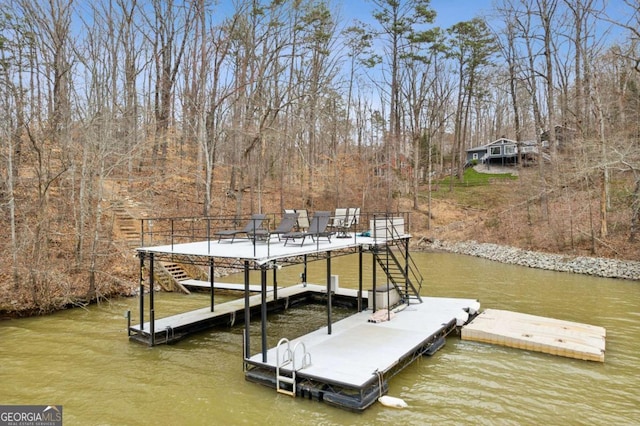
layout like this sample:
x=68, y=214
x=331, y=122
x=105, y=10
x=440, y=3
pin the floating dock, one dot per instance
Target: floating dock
x=351, y=366
x=538, y=334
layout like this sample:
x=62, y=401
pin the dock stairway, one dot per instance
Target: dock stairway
x=286, y=380
x=169, y=275
x=401, y=271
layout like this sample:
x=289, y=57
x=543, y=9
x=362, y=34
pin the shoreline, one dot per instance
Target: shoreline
x=594, y=266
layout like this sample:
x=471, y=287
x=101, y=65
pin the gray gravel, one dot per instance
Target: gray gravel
x=597, y=266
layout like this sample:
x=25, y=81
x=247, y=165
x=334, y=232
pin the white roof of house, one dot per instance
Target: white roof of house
x=502, y=141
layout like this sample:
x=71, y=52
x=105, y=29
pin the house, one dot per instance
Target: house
x=502, y=151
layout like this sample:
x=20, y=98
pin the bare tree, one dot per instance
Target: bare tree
x=171, y=29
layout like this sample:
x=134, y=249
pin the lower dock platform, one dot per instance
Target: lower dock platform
x=350, y=367
x=173, y=328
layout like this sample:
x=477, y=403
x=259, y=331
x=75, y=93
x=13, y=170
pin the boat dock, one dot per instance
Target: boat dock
x=347, y=363
x=538, y=334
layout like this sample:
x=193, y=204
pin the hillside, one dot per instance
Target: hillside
x=499, y=205
x=488, y=207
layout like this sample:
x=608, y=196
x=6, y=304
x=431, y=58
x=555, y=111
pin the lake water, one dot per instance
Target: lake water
x=81, y=359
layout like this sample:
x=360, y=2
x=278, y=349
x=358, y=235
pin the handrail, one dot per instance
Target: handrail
x=412, y=268
x=305, y=355
x=289, y=357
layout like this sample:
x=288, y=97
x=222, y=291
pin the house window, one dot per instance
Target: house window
x=495, y=150
x=509, y=150
x=475, y=155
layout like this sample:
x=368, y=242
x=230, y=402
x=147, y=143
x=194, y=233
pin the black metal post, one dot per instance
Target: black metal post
x=406, y=267
x=263, y=311
x=211, y=280
x=247, y=310
x=374, y=274
x=151, y=301
x=128, y=322
x=152, y=324
x=275, y=282
x=304, y=271
x=141, y=292
x=329, y=292
x=360, y=279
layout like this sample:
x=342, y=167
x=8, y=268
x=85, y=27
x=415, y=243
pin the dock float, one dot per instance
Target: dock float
x=538, y=334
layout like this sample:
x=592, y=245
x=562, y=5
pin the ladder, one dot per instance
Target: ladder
x=287, y=379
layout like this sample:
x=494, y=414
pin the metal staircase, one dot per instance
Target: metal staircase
x=401, y=271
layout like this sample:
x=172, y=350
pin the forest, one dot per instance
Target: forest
x=200, y=108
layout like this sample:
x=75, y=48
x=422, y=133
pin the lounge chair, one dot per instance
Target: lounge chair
x=251, y=229
x=288, y=222
x=317, y=229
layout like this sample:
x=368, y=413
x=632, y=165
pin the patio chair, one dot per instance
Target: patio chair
x=338, y=219
x=303, y=219
x=317, y=229
x=352, y=218
x=251, y=229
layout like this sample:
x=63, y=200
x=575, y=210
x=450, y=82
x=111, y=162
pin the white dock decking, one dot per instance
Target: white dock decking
x=357, y=350
x=539, y=334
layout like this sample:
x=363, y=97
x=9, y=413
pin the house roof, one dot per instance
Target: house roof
x=501, y=141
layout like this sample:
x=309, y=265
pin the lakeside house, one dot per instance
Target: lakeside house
x=502, y=151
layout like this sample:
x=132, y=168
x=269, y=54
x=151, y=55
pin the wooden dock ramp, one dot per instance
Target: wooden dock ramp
x=538, y=334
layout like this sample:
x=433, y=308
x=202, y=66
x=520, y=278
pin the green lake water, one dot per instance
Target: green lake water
x=81, y=359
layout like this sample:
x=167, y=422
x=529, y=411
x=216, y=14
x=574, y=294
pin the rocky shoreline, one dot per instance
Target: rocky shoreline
x=596, y=266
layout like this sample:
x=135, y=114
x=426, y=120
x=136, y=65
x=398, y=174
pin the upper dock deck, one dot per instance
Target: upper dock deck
x=263, y=252
x=196, y=237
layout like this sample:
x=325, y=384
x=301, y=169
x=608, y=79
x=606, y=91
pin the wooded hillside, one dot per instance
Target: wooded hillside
x=115, y=109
